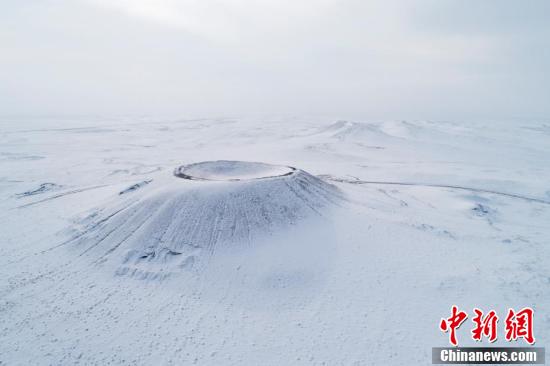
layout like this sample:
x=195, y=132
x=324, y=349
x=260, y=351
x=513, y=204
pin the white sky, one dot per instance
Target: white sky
x=426, y=59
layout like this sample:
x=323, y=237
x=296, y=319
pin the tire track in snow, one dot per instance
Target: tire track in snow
x=62, y=194
x=471, y=189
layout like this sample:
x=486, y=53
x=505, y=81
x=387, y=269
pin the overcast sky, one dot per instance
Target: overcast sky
x=429, y=59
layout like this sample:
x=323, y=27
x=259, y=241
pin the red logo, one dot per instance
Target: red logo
x=517, y=325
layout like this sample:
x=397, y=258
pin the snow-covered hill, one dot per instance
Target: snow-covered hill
x=204, y=208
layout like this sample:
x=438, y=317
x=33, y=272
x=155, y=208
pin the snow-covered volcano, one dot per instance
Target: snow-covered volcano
x=203, y=208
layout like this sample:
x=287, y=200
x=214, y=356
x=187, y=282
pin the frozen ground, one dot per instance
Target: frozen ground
x=425, y=215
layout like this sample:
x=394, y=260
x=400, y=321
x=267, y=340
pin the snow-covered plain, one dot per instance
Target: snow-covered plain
x=422, y=215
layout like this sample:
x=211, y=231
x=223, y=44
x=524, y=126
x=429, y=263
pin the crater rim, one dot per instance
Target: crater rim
x=232, y=171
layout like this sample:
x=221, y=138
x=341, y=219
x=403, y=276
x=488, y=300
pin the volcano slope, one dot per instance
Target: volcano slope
x=202, y=209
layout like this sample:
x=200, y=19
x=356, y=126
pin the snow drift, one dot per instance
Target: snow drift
x=204, y=208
